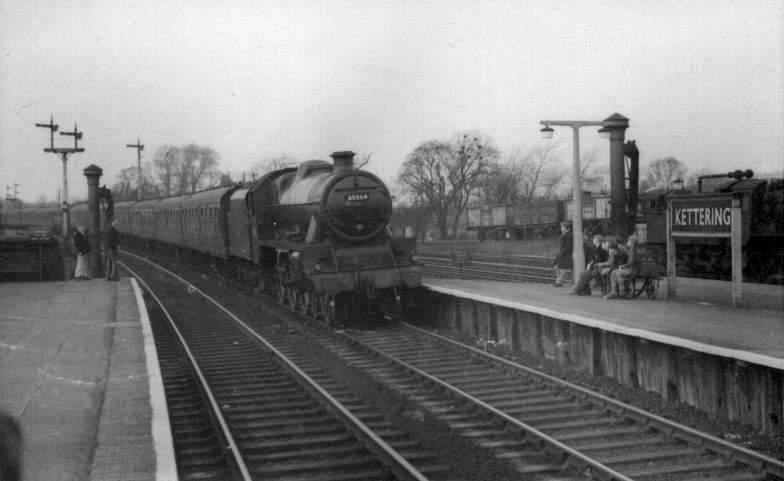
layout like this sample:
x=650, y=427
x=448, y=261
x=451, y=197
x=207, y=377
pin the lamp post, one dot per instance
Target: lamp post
x=578, y=256
x=613, y=128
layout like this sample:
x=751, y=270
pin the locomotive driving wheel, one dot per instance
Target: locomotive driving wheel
x=280, y=290
x=291, y=297
x=328, y=310
x=305, y=304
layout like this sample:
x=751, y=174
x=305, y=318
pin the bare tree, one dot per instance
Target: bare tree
x=594, y=176
x=180, y=170
x=125, y=189
x=474, y=160
x=424, y=174
x=501, y=184
x=164, y=166
x=536, y=173
x=662, y=172
x=196, y=168
x=445, y=175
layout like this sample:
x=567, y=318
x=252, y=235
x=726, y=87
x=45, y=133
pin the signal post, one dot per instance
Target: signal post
x=63, y=151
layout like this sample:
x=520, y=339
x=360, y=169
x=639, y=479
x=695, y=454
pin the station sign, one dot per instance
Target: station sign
x=706, y=216
x=689, y=215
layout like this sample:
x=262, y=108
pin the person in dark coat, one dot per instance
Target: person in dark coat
x=563, y=262
x=82, y=248
x=593, y=270
x=11, y=448
x=588, y=247
x=112, y=242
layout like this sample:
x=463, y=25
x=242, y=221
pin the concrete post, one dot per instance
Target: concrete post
x=617, y=124
x=93, y=173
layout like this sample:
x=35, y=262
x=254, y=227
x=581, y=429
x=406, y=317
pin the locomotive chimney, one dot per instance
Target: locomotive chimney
x=343, y=160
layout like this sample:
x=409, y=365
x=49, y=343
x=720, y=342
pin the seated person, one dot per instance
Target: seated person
x=619, y=276
x=610, y=263
x=617, y=256
x=593, y=269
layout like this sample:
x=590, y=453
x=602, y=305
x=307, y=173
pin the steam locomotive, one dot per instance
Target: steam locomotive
x=314, y=235
x=762, y=236
x=762, y=206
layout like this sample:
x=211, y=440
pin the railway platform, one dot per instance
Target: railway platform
x=79, y=375
x=696, y=349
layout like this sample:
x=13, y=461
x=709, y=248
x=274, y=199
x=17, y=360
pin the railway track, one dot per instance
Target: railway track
x=545, y=426
x=542, y=427
x=243, y=409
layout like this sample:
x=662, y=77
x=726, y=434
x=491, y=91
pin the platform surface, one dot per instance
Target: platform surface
x=699, y=320
x=74, y=374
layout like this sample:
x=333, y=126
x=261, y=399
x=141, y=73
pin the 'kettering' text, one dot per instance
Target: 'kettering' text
x=707, y=216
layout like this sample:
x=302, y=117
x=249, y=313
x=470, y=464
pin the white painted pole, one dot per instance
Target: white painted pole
x=671, y=264
x=578, y=256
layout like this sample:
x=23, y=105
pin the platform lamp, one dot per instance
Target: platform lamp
x=578, y=256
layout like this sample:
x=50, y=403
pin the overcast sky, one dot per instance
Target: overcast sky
x=702, y=81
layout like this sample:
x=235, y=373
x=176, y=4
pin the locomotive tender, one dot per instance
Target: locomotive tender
x=762, y=219
x=315, y=234
x=762, y=206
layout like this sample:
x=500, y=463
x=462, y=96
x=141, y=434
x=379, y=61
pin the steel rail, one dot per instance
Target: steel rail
x=751, y=458
x=205, y=387
x=391, y=458
x=578, y=459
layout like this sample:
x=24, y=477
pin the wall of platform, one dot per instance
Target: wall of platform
x=729, y=388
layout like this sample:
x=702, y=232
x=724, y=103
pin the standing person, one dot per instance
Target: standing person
x=82, y=247
x=112, y=241
x=563, y=263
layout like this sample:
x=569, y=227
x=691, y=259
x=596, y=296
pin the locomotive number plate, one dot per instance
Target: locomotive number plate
x=358, y=197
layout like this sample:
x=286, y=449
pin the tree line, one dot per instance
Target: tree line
x=438, y=179
x=173, y=171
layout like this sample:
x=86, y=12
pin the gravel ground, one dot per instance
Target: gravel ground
x=466, y=460
x=769, y=444
x=474, y=464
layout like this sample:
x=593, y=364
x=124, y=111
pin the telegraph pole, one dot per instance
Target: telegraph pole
x=139, y=147
x=63, y=151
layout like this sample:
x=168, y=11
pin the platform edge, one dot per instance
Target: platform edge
x=745, y=356
x=165, y=467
